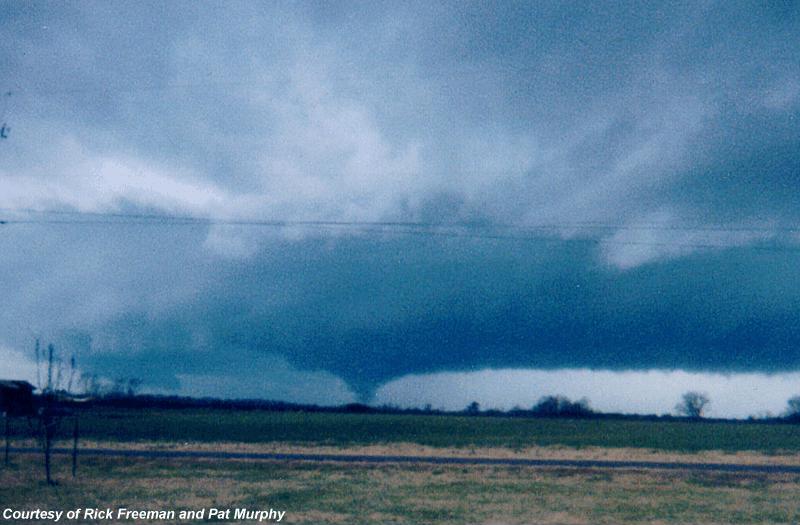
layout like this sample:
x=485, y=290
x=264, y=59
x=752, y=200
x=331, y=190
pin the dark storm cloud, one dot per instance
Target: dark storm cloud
x=368, y=312
x=663, y=123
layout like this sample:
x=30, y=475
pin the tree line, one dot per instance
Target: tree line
x=60, y=378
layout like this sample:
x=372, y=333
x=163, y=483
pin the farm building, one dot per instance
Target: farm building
x=16, y=397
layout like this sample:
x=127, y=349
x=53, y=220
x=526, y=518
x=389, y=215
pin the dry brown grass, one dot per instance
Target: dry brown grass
x=393, y=493
x=413, y=449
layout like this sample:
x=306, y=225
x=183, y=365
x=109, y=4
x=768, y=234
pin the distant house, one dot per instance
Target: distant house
x=16, y=397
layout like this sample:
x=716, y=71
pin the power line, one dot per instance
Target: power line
x=421, y=232
x=422, y=72
x=463, y=230
x=555, y=225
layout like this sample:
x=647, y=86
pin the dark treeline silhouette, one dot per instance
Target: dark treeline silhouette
x=546, y=407
x=561, y=406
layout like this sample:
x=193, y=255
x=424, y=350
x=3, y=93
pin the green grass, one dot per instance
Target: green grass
x=408, y=494
x=437, y=431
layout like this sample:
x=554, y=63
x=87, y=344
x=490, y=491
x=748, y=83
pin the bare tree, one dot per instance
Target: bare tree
x=693, y=404
x=133, y=386
x=473, y=408
x=793, y=407
x=71, y=373
x=117, y=388
x=51, y=411
x=37, y=351
x=90, y=385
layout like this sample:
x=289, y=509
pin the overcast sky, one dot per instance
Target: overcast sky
x=652, y=152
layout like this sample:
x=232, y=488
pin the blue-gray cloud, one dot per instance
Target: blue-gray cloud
x=668, y=128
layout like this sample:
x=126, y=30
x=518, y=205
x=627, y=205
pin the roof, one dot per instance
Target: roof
x=11, y=384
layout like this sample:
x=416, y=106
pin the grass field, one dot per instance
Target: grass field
x=435, y=431
x=420, y=493
x=413, y=494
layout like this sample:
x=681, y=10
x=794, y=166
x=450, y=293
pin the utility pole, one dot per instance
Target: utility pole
x=5, y=129
x=8, y=438
x=75, y=445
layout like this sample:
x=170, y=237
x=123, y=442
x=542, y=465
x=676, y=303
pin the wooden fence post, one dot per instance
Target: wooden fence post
x=75, y=447
x=8, y=438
